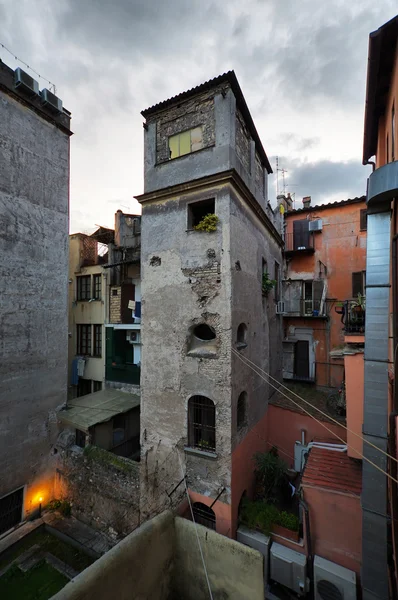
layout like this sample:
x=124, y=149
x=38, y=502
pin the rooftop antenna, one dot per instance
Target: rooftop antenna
x=283, y=171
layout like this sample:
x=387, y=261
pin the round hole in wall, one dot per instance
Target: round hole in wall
x=204, y=332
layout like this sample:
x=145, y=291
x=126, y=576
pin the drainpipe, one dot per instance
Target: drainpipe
x=310, y=557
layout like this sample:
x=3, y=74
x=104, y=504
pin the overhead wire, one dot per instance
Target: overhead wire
x=316, y=408
x=334, y=434
x=29, y=67
x=196, y=527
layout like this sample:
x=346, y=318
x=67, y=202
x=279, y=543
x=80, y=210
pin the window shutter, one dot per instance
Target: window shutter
x=363, y=218
x=300, y=234
x=317, y=290
x=357, y=284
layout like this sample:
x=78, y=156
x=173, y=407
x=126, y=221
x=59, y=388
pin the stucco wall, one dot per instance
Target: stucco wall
x=354, y=382
x=34, y=195
x=336, y=526
x=140, y=566
x=235, y=571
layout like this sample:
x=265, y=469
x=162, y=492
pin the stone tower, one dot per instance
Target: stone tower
x=203, y=412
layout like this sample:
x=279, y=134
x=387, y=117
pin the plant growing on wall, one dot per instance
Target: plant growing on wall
x=267, y=284
x=208, y=223
x=262, y=517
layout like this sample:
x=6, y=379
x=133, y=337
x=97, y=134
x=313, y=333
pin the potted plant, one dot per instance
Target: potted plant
x=208, y=223
x=267, y=284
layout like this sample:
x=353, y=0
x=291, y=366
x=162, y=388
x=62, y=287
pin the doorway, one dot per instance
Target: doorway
x=11, y=510
x=302, y=360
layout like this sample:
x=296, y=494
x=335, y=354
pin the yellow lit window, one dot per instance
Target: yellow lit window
x=185, y=142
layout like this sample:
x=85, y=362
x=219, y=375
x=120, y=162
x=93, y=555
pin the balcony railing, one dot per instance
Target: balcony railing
x=352, y=316
x=300, y=244
x=123, y=373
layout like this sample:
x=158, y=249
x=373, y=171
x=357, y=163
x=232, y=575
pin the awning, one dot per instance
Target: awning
x=99, y=407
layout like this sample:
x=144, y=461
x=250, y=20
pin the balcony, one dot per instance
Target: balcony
x=383, y=184
x=123, y=373
x=299, y=244
x=352, y=316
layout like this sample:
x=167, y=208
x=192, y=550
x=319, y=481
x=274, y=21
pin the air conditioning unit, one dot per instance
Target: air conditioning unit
x=258, y=541
x=25, y=83
x=289, y=568
x=333, y=581
x=51, y=101
x=133, y=337
x=280, y=307
x=315, y=225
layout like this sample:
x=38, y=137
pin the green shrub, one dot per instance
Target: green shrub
x=54, y=504
x=267, y=284
x=208, y=223
x=62, y=505
x=288, y=520
x=261, y=516
x=271, y=472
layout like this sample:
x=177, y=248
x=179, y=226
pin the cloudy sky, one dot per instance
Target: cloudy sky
x=301, y=65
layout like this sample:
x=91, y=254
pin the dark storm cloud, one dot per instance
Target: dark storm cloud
x=324, y=178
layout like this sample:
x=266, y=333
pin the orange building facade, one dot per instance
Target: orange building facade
x=325, y=264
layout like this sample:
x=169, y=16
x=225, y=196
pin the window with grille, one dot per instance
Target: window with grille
x=185, y=142
x=83, y=340
x=201, y=423
x=204, y=515
x=363, y=219
x=241, y=410
x=97, y=340
x=83, y=287
x=11, y=510
x=97, y=286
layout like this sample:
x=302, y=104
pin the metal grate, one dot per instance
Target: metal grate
x=201, y=423
x=328, y=591
x=204, y=515
x=11, y=510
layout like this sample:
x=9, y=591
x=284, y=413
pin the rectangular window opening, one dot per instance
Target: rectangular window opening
x=83, y=387
x=83, y=287
x=358, y=283
x=11, y=510
x=185, y=142
x=198, y=210
x=97, y=386
x=80, y=439
x=363, y=218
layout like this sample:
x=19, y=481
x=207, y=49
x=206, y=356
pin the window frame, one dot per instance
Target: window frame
x=178, y=136
x=201, y=423
x=363, y=283
x=97, y=341
x=204, y=515
x=363, y=219
x=83, y=339
x=192, y=219
x=97, y=286
x=83, y=288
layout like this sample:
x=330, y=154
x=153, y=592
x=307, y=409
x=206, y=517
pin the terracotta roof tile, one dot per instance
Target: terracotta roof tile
x=333, y=470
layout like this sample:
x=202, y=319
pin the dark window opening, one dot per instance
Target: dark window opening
x=83, y=287
x=204, y=515
x=241, y=410
x=97, y=341
x=301, y=235
x=358, y=283
x=302, y=359
x=277, y=282
x=114, y=292
x=201, y=423
x=204, y=332
x=198, y=210
x=83, y=340
x=363, y=220
x=241, y=335
x=11, y=510
x=80, y=439
x=83, y=387
x=97, y=287
x=119, y=429
x=97, y=386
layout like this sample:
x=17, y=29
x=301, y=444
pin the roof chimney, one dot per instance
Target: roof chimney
x=306, y=201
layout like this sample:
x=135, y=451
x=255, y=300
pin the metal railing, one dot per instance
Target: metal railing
x=352, y=316
x=294, y=243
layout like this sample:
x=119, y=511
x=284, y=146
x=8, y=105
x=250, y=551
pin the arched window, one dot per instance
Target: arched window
x=241, y=410
x=201, y=423
x=241, y=336
x=204, y=515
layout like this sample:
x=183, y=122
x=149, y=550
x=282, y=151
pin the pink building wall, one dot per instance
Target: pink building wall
x=354, y=381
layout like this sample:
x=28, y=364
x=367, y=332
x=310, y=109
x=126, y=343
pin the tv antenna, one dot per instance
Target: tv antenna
x=283, y=171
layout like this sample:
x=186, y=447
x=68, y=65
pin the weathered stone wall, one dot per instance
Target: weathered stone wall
x=34, y=199
x=115, y=315
x=195, y=112
x=243, y=139
x=102, y=488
